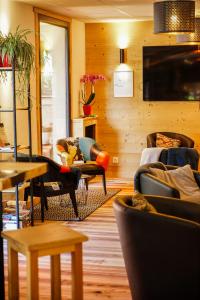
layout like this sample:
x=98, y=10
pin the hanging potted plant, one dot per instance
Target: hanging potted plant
x=88, y=101
x=16, y=51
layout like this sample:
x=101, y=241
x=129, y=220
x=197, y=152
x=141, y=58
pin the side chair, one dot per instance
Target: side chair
x=59, y=180
x=94, y=160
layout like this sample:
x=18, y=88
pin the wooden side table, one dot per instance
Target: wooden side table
x=50, y=239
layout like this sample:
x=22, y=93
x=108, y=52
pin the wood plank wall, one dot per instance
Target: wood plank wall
x=123, y=123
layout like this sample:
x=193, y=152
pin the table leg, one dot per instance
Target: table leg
x=2, y=289
x=13, y=277
x=32, y=276
x=55, y=278
x=31, y=203
x=17, y=205
x=77, y=273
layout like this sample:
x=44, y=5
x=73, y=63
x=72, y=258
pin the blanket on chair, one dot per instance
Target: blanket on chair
x=150, y=155
x=183, y=156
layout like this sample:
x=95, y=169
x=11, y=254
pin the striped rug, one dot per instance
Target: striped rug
x=60, y=208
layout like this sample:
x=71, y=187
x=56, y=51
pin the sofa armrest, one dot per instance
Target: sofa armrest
x=171, y=167
x=152, y=185
x=197, y=177
x=175, y=207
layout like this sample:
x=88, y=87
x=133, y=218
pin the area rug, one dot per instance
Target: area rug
x=60, y=207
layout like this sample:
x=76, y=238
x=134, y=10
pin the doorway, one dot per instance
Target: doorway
x=53, y=95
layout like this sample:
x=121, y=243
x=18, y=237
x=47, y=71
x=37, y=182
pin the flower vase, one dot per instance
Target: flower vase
x=87, y=109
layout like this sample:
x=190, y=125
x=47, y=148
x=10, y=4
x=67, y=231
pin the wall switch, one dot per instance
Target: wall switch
x=115, y=160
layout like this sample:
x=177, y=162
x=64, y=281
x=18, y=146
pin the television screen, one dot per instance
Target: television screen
x=171, y=73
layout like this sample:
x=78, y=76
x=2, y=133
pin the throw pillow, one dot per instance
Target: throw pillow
x=139, y=202
x=181, y=178
x=70, y=151
x=166, y=142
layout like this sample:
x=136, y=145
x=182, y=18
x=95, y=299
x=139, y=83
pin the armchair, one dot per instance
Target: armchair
x=185, y=140
x=66, y=179
x=146, y=183
x=161, y=250
x=94, y=160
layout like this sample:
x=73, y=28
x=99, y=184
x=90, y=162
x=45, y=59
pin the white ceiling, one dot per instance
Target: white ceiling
x=98, y=10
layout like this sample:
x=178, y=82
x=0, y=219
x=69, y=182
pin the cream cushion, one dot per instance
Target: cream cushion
x=182, y=179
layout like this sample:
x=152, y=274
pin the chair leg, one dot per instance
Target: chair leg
x=104, y=182
x=73, y=198
x=43, y=201
x=86, y=183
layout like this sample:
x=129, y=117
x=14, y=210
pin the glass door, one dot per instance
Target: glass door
x=54, y=86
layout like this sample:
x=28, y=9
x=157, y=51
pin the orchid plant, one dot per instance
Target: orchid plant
x=91, y=80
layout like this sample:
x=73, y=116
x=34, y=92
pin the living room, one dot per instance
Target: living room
x=123, y=122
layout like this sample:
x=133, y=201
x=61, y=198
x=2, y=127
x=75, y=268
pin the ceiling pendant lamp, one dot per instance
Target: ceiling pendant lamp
x=191, y=37
x=174, y=16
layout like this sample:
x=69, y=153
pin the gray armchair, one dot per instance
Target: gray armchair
x=146, y=183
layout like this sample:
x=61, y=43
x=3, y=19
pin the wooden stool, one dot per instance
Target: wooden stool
x=50, y=239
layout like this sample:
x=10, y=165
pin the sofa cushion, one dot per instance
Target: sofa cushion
x=181, y=178
x=139, y=202
x=166, y=142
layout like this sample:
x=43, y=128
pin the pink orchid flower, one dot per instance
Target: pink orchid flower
x=91, y=79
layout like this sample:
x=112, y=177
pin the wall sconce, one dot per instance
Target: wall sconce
x=122, y=56
x=174, y=16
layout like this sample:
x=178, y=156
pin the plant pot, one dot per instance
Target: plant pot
x=87, y=109
x=4, y=63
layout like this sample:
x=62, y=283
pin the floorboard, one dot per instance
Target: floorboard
x=103, y=265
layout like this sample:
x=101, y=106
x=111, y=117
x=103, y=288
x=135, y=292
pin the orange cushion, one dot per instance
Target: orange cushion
x=103, y=159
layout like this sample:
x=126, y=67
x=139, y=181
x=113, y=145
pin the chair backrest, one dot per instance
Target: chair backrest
x=185, y=140
x=77, y=148
x=161, y=253
x=54, y=173
x=80, y=148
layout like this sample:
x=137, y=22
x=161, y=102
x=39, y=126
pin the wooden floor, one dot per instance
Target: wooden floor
x=104, y=271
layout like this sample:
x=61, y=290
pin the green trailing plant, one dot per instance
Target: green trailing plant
x=18, y=52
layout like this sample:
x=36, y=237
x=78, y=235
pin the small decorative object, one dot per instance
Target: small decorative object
x=87, y=102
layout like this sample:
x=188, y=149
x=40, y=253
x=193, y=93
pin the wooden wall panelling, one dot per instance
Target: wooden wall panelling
x=123, y=123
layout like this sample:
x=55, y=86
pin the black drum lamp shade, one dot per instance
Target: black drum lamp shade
x=192, y=37
x=174, y=16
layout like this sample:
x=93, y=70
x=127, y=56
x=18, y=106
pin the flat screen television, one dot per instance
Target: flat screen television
x=171, y=73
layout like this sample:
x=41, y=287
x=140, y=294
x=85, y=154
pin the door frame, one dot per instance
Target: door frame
x=58, y=20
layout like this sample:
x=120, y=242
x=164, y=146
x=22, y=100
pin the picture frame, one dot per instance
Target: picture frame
x=123, y=84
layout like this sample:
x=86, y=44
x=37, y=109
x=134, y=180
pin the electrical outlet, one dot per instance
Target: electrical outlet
x=115, y=160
